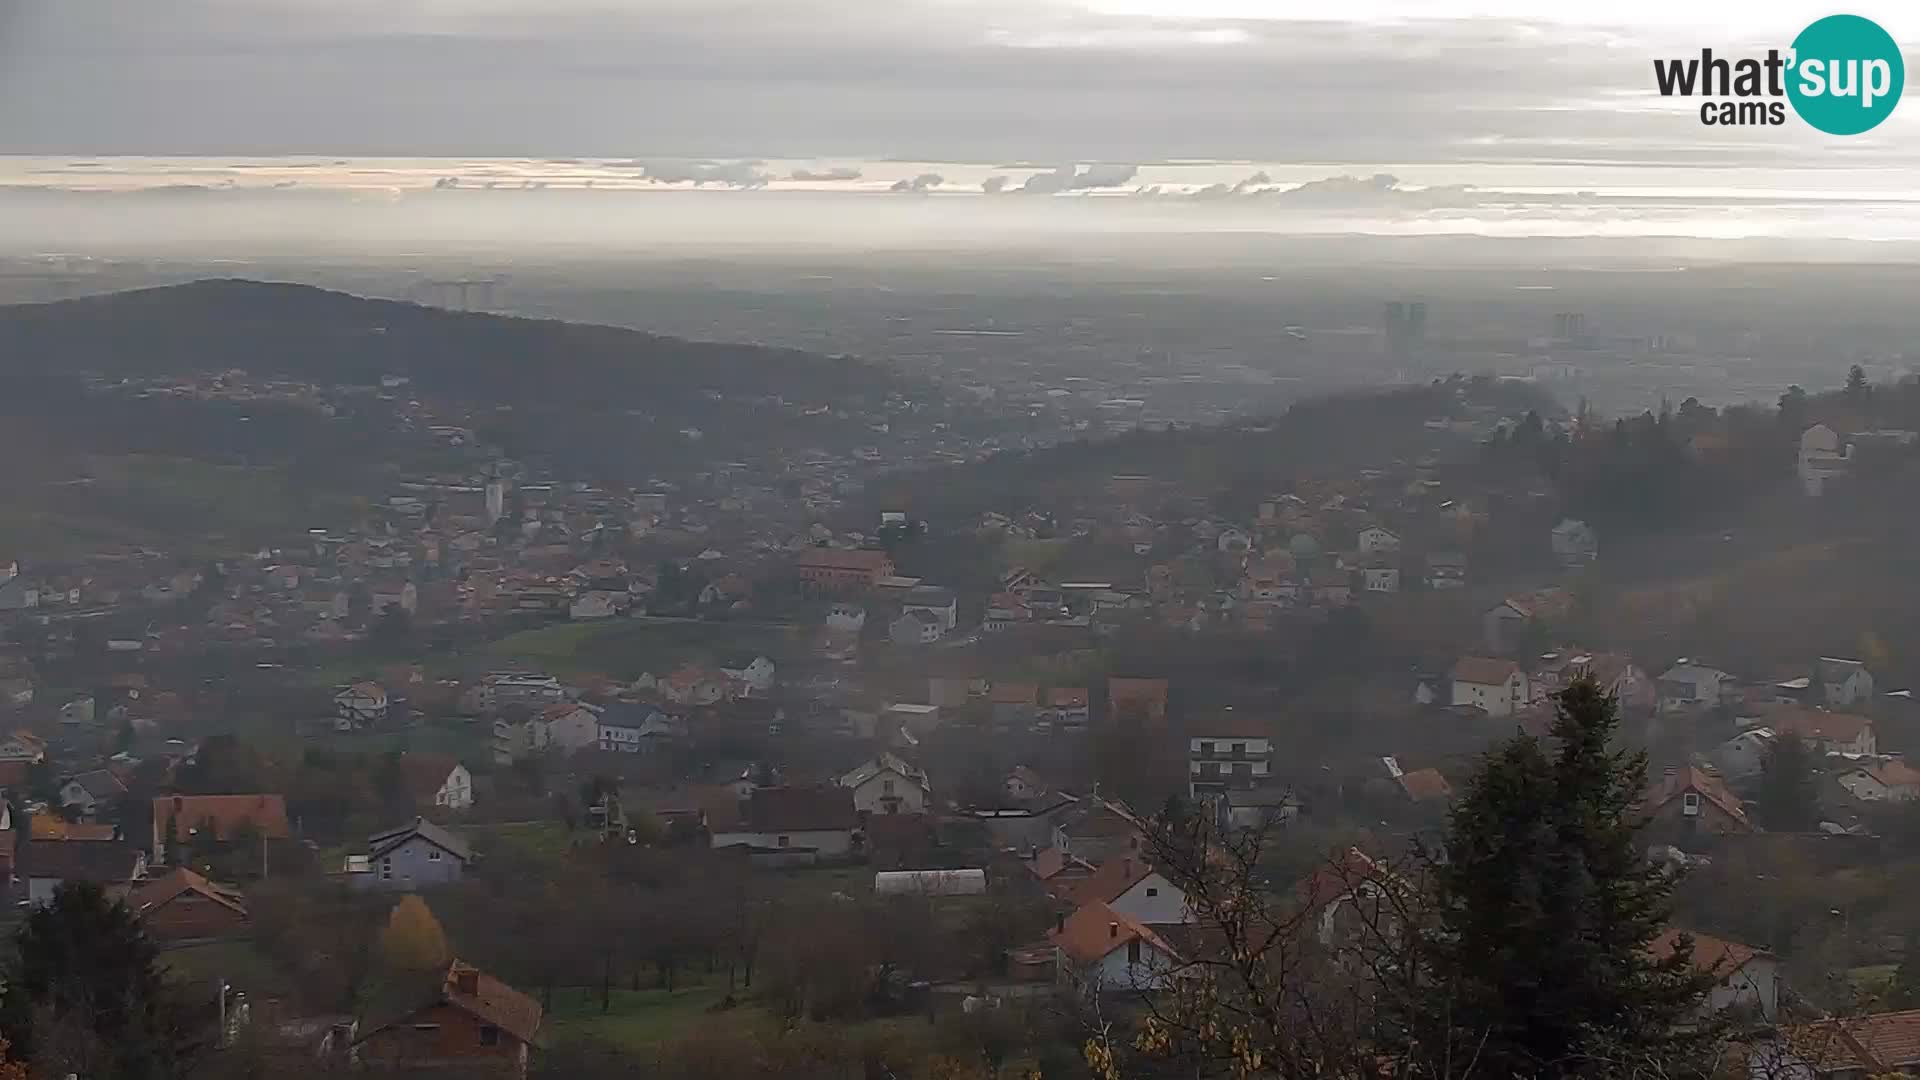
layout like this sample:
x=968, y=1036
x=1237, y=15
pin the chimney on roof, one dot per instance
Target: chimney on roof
x=1060, y=923
x=1113, y=929
x=1126, y=867
x=466, y=980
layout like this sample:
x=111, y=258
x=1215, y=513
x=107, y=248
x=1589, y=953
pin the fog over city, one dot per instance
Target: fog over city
x=959, y=539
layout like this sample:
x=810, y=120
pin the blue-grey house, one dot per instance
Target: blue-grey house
x=416, y=855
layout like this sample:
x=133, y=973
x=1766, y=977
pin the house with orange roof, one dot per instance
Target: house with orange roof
x=1130, y=885
x=180, y=905
x=1842, y=1048
x=1142, y=698
x=471, y=1024
x=1892, y=780
x=178, y=818
x=1826, y=732
x=1689, y=802
x=1098, y=949
x=1747, y=978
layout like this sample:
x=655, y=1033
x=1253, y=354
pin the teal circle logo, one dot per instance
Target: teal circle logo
x=1846, y=75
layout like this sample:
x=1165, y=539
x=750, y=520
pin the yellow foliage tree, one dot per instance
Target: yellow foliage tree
x=413, y=939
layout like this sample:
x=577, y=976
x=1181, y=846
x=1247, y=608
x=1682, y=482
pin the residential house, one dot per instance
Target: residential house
x=361, y=705
x=404, y=595
x=807, y=822
x=694, y=685
x=937, y=602
x=888, y=785
x=1015, y=705
x=835, y=570
x=1747, y=978
x=1099, y=950
x=1022, y=783
x=107, y=863
x=634, y=729
x=50, y=825
x=1496, y=687
x=1380, y=579
x=1096, y=829
x=501, y=689
x=1744, y=755
x=1843, y=682
x=24, y=747
x=79, y=711
x=1883, y=1044
x=1575, y=543
x=1887, y=781
x=93, y=792
x=1692, y=803
x=179, y=819
x=566, y=727
x=1228, y=750
x=596, y=604
x=1446, y=570
x=915, y=627
x=1616, y=673
x=1375, y=540
x=1826, y=732
x=1132, y=886
x=180, y=905
x=416, y=855
x=846, y=618
x=437, y=780
x=1137, y=700
x=1507, y=624
x=471, y=1024
x=1068, y=709
x=1821, y=459
x=751, y=673
x=1420, y=785
x=1005, y=611
x=17, y=595
x=1687, y=685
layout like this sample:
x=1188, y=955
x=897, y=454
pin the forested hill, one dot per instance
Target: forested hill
x=329, y=337
x=1236, y=465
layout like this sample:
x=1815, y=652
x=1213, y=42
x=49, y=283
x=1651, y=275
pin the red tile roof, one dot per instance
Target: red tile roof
x=841, y=559
x=1424, y=784
x=1873, y=1044
x=493, y=1001
x=165, y=889
x=1710, y=954
x=1096, y=930
x=1105, y=885
x=1708, y=786
x=268, y=813
x=1819, y=726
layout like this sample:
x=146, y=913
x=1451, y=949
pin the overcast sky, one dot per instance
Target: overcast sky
x=1369, y=81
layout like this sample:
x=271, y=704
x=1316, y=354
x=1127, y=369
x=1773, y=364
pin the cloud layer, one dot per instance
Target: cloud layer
x=907, y=79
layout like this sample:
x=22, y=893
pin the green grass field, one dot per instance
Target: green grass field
x=636, y=1019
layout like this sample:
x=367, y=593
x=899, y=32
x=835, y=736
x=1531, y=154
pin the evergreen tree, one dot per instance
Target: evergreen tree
x=84, y=994
x=1545, y=911
x=1789, y=799
x=1856, y=383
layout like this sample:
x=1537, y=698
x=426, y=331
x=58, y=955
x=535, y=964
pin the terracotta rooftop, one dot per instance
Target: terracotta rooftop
x=173, y=884
x=1095, y=930
x=268, y=813
x=1710, y=954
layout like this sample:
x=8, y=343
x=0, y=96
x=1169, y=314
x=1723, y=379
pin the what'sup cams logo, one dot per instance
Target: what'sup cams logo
x=1843, y=76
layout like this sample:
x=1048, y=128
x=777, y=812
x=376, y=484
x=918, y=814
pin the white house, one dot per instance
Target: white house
x=1843, y=682
x=754, y=673
x=438, y=780
x=1745, y=754
x=1749, y=978
x=1497, y=687
x=1575, y=543
x=1889, y=781
x=1821, y=459
x=361, y=705
x=1098, y=949
x=1687, y=685
x=915, y=628
x=888, y=785
x=937, y=602
x=1130, y=885
x=1377, y=541
x=1381, y=579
